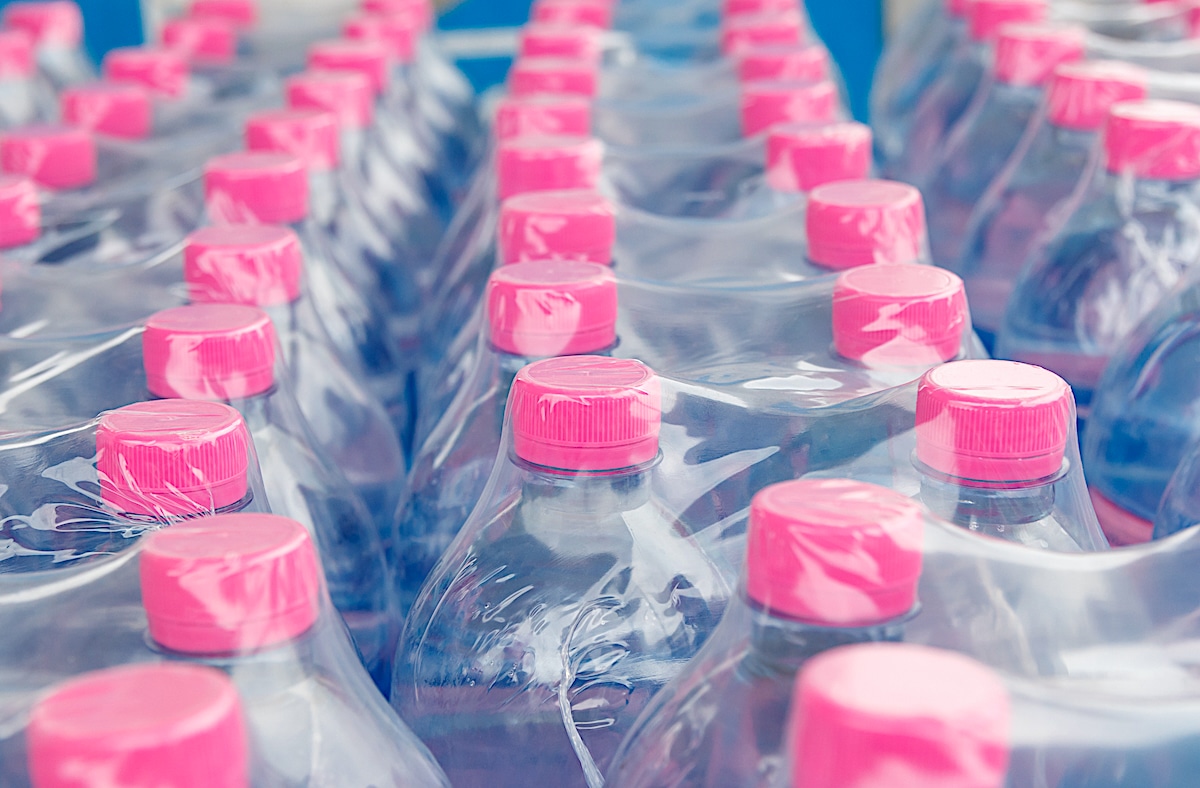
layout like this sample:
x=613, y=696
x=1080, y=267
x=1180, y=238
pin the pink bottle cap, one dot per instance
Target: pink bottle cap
x=834, y=552
x=552, y=308
x=256, y=265
x=802, y=63
x=423, y=10
x=986, y=17
x=233, y=583
x=899, y=315
x=203, y=40
x=163, y=71
x=586, y=413
x=1026, y=55
x=742, y=33
x=802, y=157
x=209, y=351
x=349, y=96
x=116, y=109
x=754, y=7
x=172, y=457
x=399, y=32
x=16, y=55
x=256, y=188
x=312, y=135
x=853, y=223
x=993, y=421
x=140, y=725
x=543, y=116
x=57, y=157
x=542, y=164
x=895, y=715
x=596, y=13
x=532, y=76
x=369, y=58
x=54, y=24
x=20, y=211
x=240, y=13
x=561, y=225
x=1158, y=140
x=1081, y=94
x=957, y=8
x=766, y=104
x=572, y=42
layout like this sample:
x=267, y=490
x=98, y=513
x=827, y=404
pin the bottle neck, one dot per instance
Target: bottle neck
x=988, y=509
x=265, y=672
x=586, y=496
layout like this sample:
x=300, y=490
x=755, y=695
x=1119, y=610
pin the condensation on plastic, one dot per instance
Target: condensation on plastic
x=310, y=709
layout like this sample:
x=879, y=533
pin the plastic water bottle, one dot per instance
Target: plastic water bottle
x=243, y=593
x=1133, y=228
x=56, y=27
x=226, y=353
x=943, y=104
x=990, y=130
x=273, y=188
x=886, y=715
x=829, y=563
x=140, y=725
x=991, y=439
x=578, y=634
x=534, y=310
x=264, y=266
x=21, y=101
x=1023, y=201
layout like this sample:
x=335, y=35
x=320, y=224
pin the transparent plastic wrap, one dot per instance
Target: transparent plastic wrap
x=239, y=593
x=579, y=633
x=1130, y=230
x=56, y=28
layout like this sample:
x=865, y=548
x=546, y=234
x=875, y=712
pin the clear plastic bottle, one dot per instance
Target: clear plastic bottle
x=226, y=353
x=990, y=130
x=569, y=598
x=1024, y=200
x=829, y=563
x=56, y=27
x=20, y=99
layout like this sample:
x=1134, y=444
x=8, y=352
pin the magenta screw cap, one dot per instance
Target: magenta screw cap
x=572, y=42
x=533, y=76
x=560, y=225
x=801, y=157
x=754, y=7
x=172, y=457
x=140, y=725
x=552, y=308
x=1081, y=94
x=745, y=32
x=50, y=24
x=993, y=422
x=1026, y=55
x=20, y=211
x=895, y=715
x=311, y=135
x=833, y=552
x=399, y=32
x=256, y=188
x=202, y=40
x=596, y=13
x=233, y=583
x=1158, y=140
x=540, y=164
x=221, y=352
x=899, y=315
x=16, y=55
x=586, y=413
x=255, y=265
x=348, y=95
x=369, y=58
x=802, y=63
x=853, y=223
x=986, y=17
x=117, y=109
x=240, y=13
x=543, y=116
x=56, y=157
x=767, y=104
x=164, y=71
